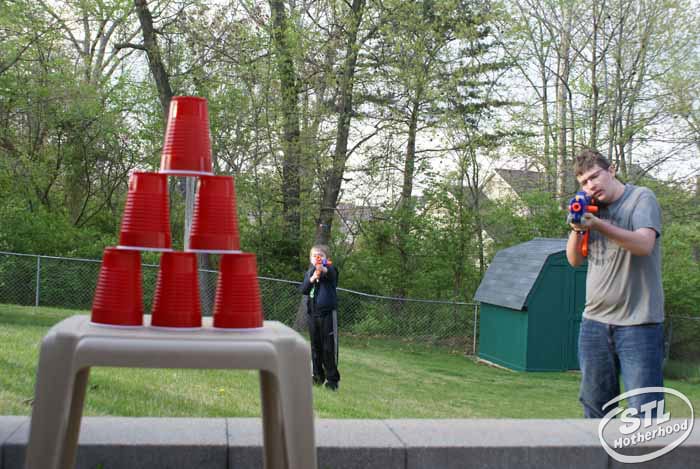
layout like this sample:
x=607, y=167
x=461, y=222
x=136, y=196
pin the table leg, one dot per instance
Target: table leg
x=53, y=392
x=70, y=446
x=297, y=406
x=274, y=454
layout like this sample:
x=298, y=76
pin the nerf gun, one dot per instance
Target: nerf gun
x=321, y=262
x=578, y=206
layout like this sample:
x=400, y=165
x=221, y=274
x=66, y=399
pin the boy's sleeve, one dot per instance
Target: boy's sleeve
x=647, y=213
x=332, y=276
x=305, y=286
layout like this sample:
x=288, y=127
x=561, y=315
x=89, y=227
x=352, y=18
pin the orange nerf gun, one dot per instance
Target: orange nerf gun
x=578, y=206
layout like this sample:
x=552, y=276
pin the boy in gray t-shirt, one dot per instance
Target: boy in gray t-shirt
x=622, y=328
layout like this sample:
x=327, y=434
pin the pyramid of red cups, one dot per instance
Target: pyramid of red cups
x=145, y=226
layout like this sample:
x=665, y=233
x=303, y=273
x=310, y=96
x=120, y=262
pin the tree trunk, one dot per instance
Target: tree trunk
x=155, y=62
x=549, y=166
x=291, y=166
x=616, y=134
x=562, y=106
x=593, y=141
x=406, y=203
x=475, y=187
x=696, y=246
x=334, y=178
x=640, y=77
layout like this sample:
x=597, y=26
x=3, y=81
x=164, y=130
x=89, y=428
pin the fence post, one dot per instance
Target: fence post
x=38, y=280
x=476, y=312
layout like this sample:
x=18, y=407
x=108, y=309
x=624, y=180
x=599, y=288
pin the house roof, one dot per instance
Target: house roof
x=352, y=212
x=514, y=270
x=522, y=181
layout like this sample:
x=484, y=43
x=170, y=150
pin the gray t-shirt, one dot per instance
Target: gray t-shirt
x=622, y=288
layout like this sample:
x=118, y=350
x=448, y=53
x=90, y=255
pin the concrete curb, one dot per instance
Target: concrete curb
x=8, y=427
x=155, y=443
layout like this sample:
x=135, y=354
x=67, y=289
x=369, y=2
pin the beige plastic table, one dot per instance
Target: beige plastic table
x=74, y=345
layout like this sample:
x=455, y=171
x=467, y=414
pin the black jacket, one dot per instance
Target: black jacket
x=324, y=298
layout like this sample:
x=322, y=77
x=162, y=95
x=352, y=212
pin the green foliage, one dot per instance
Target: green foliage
x=18, y=280
x=262, y=227
x=680, y=257
x=678, y=203
x=374, y=264
x=42, y=232
x=680, y=369
x=681, y=268
x=511, y=222
x=67, y=145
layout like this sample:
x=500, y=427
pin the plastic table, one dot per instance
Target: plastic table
x=74, y=345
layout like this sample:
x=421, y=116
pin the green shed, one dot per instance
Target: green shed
x=531, y=304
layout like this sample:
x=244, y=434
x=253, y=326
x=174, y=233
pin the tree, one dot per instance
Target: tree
x=431, y=58
x=283, y=37
x=334, y=175
x=531, y=37
x=63, y=134
x=563, y=92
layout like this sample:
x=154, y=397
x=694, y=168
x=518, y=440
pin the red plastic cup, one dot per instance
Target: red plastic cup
x=176, y=299
x=118, y=299
x=187, y=146
x=214, y=222
x=146, y=218
x=238, y=304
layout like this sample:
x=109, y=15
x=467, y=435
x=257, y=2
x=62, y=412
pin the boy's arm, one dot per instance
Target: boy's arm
x=639, y=242
x=330, y=275
x=573, y=249
x=645, y=226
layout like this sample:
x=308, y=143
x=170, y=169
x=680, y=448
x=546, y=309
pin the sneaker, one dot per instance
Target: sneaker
x=318, y=381
x=331, y=386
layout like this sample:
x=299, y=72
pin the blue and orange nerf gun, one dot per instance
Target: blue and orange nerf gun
x=579, y=205
x=321, y=262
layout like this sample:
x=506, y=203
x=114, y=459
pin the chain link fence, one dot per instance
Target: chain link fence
x=32, y=280
x=683, y=338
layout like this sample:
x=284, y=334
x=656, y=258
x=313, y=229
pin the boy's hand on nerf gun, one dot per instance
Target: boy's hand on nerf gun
x=588, y=222
x=320, y=264
x=581, y=218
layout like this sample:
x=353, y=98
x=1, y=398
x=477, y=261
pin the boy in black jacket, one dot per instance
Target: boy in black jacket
x=320, y=283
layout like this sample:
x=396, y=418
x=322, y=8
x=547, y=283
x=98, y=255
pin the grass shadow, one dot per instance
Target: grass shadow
x=30, y=316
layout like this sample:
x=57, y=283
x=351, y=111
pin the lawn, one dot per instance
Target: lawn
x=380, y=379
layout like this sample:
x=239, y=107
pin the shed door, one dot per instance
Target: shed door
x=578, y=301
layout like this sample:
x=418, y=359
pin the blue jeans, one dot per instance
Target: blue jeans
x=607, y=352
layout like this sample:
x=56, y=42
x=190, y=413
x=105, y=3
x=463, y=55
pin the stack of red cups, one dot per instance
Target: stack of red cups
x=145, y=226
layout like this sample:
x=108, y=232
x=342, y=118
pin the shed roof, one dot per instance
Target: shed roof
x=514, y=270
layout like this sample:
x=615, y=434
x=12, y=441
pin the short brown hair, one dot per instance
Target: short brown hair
x=587, y=159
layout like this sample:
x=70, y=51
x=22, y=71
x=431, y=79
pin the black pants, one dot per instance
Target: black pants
x=324, y=347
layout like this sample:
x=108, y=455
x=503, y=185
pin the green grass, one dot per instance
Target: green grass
x=380, y=379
